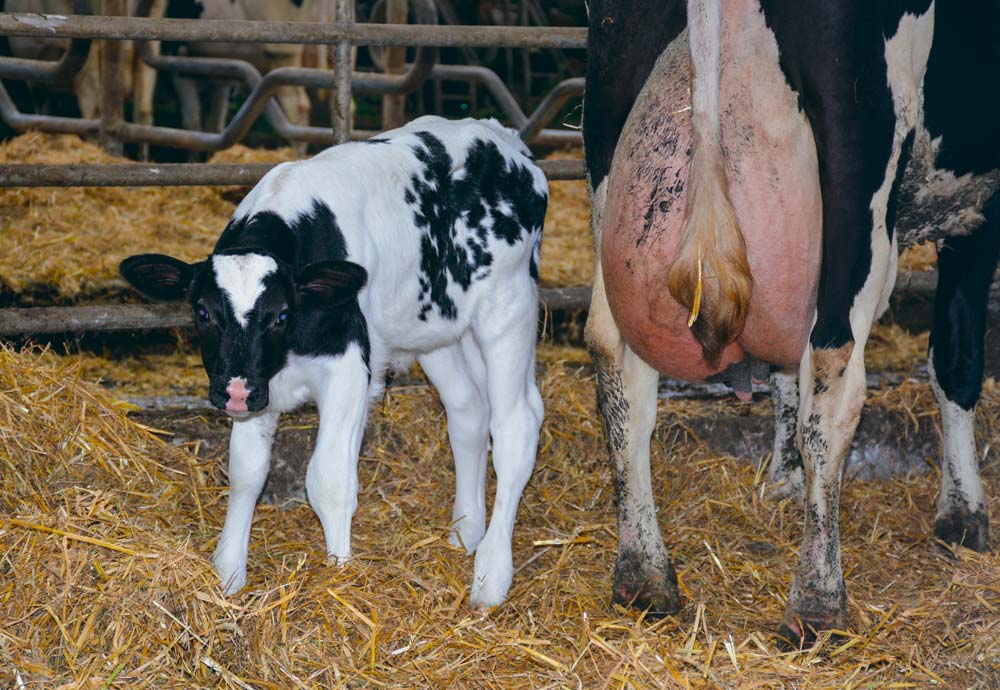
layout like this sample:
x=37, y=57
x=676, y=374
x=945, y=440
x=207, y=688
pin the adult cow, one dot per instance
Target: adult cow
x=752, y=216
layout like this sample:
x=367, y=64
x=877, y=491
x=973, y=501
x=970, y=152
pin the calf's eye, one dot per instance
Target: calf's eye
x=281, y=318
x=203, y=315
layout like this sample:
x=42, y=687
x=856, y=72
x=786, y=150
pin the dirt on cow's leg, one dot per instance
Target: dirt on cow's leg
x=830, y=409
x=626, y=395
x=785, y=474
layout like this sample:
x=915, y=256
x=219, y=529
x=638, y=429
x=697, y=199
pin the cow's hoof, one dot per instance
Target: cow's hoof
x=646, y=587
x=971, y=530
x=800, y=631
x=786, y=480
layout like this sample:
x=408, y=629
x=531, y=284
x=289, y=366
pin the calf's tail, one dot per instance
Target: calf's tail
x=711, y=274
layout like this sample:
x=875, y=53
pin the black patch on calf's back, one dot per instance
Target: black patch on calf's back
x=439, y=201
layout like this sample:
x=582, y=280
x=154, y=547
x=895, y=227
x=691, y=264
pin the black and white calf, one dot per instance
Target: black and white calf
x=422, y=243
x=755, y=165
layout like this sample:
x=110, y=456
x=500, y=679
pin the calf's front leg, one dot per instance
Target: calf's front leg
x=332, y=476
x=249, y=461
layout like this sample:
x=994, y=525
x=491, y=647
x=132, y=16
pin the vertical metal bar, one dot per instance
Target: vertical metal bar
x=394, y=105
x=112, y=88
x=526, y=58
x=340, y=97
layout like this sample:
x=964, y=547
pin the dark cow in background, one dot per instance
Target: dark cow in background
x=422, y=243
x=749, y=219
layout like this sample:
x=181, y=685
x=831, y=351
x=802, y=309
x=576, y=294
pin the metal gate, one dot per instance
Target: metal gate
x=341, y=33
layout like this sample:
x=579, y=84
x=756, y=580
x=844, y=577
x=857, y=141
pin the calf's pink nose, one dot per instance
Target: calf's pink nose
x=238, y=395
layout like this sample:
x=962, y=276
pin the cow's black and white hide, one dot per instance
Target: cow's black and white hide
x=883, y=109
x=422, y=243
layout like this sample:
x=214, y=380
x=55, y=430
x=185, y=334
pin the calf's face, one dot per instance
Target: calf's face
x=248, y=308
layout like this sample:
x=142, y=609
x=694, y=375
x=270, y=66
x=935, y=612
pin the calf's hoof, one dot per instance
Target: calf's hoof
x=232, y=574
x=467, y=534
x=801, y=630
x=494, y=571
x=645, y=586
x=971, y=530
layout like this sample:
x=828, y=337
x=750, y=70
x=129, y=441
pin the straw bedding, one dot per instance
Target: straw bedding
x=107, y=529
x=64, y=245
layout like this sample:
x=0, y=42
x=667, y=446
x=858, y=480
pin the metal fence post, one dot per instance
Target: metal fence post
x=340, y=97
x=112, y=89
x=394, y=105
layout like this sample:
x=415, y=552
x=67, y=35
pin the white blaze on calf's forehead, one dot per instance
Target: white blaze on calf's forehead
x=241, y=278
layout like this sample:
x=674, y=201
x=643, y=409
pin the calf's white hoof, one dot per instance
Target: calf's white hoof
x=232, y=574
x=467, y=534
x=494, y=571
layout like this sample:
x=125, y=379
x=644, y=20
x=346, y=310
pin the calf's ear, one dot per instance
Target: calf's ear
x=158, y=276
x=330, y=283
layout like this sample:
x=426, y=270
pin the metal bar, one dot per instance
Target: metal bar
x=48, y=71
x=550, y=106
x=141, y=317
x=913, y=287
x=112, y=90
x=340, y=95
x=217, y=30
x=182, y=174
x=48, y=123
x=393, y=105
x=119, y=317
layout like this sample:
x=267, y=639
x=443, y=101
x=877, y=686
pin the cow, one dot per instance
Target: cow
x=754, y=167
x=420, y=243
x=264, y=56
x=137, y=78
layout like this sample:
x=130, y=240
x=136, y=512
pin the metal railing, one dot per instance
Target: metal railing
x=342, y=34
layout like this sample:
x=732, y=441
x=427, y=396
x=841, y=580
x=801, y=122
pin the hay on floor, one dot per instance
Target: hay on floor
x=66, y=243
x=61, y=245
x=107, y=530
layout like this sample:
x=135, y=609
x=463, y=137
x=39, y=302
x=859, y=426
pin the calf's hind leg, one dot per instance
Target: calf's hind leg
x=508, y=351
x=626, y=397
x=955, y=363
x=459, y=375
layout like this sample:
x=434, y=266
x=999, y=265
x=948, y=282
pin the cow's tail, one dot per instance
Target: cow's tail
x=711, y=274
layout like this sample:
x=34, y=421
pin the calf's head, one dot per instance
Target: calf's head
x=250, y=310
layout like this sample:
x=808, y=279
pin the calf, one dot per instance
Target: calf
x=422, y=242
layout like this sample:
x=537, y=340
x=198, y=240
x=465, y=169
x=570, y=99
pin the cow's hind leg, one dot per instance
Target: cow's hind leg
x=459, y=375
x=626, y=396
x=506, y=337
x=785, y=474
x=955, y=363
